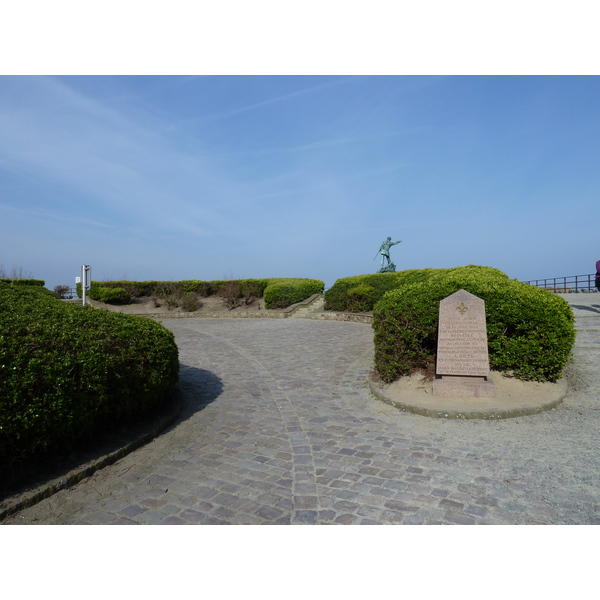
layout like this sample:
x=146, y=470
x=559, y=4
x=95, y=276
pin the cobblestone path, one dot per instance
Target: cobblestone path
x=279, y=428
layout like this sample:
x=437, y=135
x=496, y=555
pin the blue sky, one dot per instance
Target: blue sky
x=216, y=177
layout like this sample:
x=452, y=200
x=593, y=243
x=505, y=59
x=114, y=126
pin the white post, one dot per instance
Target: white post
x=86, y=282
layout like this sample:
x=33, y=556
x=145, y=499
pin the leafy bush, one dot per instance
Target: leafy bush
x=68, y=371
x=61, y=290
x=530, y=330
x=190, y=303
x=231, y=294
x=361, y=298
x=202, y=288
x=113, y=295
x=347, y=294
x=342, y=296
x=281, y=293
x=109, y=295
x=36, y=282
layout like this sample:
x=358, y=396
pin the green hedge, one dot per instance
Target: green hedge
x=68, y=371
x=35, y=282
x=360, y=293
x=109, y=295
x=277, y=292
x=530, y=330
x=281, y=293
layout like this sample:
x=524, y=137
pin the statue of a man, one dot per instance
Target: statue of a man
x=384, y=250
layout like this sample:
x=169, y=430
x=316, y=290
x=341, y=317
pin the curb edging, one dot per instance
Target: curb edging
x=79, y=474
x=445, y=413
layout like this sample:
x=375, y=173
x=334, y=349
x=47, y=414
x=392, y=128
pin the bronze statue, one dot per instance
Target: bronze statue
x=384, y=250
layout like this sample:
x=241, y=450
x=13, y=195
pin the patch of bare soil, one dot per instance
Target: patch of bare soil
x=212, y=304
x=512, y=397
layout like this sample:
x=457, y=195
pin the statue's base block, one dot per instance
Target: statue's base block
x=391, y=268
x=454, y=386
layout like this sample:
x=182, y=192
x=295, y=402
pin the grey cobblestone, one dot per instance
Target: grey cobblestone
x=279, y=428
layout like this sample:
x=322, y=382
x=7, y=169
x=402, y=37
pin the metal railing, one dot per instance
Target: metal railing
x=69, y=294
x=572, y=283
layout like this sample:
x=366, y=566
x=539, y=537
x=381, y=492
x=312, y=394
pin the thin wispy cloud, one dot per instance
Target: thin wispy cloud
x=279, y=99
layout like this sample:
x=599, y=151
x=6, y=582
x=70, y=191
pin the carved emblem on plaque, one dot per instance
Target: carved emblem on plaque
x=461, y=308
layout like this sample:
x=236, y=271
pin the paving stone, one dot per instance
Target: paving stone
x=132, y=511
x=123, y=521
x=151, y=517
x=306, y=502
x=346, y=519
x=269, y=513
x=373, y=481
x=192, y=516
x=306, y=517
x=450, y=504
x=460, y=518
x=172, y=521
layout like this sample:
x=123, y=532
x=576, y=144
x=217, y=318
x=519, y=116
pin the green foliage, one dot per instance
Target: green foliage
x=67, y=371
x=235, y=291
x=281, y=293
x=202, y=288
x=361, y=298
x=190, y=302
x=34, y=282
x=342, y=296
x=107, y=294
x=530, y=331
x=115, y=295
x=5, y=280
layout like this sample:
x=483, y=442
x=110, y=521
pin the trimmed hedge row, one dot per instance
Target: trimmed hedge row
x=361, y=292
x=281, y=293
x=277, y=292
x=530, y=330
x=67, y=371
x=35, y=282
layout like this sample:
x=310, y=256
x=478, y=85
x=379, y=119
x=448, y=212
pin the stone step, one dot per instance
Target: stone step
x=308, y=307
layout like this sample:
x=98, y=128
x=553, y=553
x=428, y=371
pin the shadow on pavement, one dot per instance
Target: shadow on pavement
x=595, y=308
x=196, y=389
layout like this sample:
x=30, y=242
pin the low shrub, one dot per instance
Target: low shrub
x=361, y=298
x=231, y=294
x=348, y=293
x=530, y=331
x=190, y=303
x=202, y=288
x=351, y=293
x=101, y=293
x=61, y=290
x=68, y=371
x=281, y=293
x=115, y=295
x=35, y=282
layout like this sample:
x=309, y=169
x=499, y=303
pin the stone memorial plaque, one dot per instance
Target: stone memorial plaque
x=462, y=367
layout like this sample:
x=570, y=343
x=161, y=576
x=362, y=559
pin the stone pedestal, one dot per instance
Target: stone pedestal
x=463, y=387
x=391, y=268
x=463, y=367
